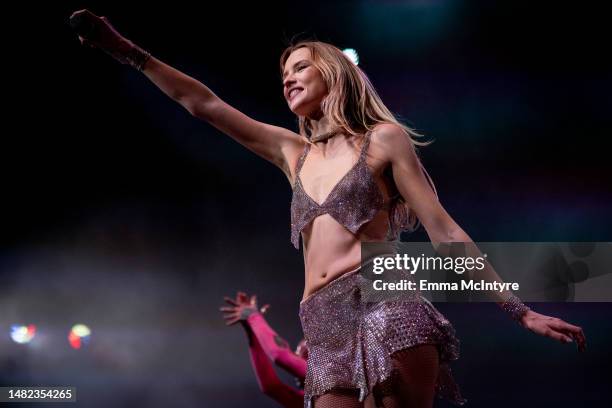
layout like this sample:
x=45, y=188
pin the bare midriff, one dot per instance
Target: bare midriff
x=330, y=250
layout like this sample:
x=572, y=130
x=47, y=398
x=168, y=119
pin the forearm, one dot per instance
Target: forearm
x=190, y=93
x=504, y=297
x=275, y=347
x=268, y=381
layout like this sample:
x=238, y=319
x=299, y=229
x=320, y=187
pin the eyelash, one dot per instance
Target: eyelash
x=301, y=67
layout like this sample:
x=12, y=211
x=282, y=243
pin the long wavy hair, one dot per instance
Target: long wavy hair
x=353, y=107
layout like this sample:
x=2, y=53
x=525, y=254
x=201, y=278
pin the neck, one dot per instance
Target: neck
x=321, y=130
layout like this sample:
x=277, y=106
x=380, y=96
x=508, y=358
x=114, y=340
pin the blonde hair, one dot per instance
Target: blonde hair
x=353, y=107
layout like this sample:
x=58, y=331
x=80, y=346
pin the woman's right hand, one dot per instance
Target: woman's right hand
x=98, y=32
x=240, y=308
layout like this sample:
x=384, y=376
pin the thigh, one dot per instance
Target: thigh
x=338, y=398
x=413, y=383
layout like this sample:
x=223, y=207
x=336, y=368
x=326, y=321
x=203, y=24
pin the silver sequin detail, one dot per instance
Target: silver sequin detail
x=350, y=341
x=354, y=201
x=515, y=308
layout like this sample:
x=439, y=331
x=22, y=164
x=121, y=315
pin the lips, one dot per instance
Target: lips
x=293, y=92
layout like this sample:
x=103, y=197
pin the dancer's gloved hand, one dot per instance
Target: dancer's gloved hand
x=240, y=308
x=98, y=32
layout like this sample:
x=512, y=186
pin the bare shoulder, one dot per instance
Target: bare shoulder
x=388, y=141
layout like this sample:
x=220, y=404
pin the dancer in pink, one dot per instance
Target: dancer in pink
x=356, y=177
x=265, y=347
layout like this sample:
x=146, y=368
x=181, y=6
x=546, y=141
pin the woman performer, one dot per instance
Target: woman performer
x=356, y=177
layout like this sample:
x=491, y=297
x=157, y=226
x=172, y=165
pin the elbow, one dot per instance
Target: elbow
x=448, y=232
x=197, y=108
x=456, y=234
x=270, y=388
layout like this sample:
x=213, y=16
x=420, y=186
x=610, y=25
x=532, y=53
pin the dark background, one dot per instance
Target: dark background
x=121, y=211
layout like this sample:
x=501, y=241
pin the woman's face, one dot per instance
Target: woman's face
x=303, y=85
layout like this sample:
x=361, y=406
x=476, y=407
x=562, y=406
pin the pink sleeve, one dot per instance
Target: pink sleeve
x=275, y=347
x=268, y=381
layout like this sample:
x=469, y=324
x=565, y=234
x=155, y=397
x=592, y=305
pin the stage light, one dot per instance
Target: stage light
x=79, y=336
x=352, y=55
x=22, y=334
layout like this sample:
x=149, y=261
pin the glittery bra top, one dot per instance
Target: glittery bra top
x=353, y=201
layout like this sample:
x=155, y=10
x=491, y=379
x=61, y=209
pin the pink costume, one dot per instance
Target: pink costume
x=265, y=346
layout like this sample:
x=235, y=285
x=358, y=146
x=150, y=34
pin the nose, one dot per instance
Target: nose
x=288, y=81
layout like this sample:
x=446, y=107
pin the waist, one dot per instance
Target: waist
x=329, y=284
x=337, y=280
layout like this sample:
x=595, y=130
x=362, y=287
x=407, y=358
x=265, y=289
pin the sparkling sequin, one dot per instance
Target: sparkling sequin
x=354, y=201
x=350, y=335
x=515, y=308
x=350, y=340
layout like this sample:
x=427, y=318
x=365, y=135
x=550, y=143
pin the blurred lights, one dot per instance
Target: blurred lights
x=79, y=336
x=352, y=55
x=23, y=334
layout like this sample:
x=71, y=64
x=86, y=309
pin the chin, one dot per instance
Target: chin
x=306, y=111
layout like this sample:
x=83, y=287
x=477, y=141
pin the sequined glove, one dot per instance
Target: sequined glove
x=98, y=32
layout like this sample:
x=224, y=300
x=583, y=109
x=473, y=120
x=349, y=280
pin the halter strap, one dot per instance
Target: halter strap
x=300, y=163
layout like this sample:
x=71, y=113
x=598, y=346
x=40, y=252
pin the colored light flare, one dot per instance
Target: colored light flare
x=79, y=336
x=23, y=334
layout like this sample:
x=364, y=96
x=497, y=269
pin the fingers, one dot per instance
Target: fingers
x=227, y=309
x=78, y=12
x=231, y=317
x=557, y=335
x=571, y=331
x=264, y=309
x=579, y=337
x=83, y=12
x=577, y=334
x=230, y=301
x=254, y=300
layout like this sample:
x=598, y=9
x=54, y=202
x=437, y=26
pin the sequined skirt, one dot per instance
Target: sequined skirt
x=350, y=340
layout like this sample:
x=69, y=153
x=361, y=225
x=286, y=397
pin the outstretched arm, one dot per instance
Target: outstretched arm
x=280, y=146
x=391, y=145
x=244, y=310
x=275, y=144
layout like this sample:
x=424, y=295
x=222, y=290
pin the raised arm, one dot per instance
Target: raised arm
x=278, y=145
x=390, y=144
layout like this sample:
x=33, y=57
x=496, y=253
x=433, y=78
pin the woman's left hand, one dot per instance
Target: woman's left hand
x=554, y=328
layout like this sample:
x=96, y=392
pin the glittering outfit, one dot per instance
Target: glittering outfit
x=350, y=339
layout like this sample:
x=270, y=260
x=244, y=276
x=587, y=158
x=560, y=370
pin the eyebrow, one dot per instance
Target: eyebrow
x=294, y=65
